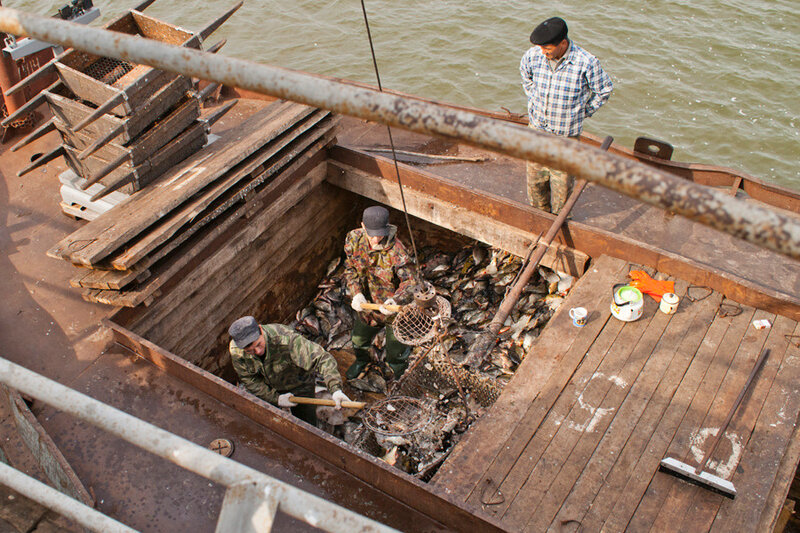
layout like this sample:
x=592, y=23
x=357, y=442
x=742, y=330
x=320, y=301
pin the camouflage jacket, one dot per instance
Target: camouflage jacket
x=379, y=273
x=289, y=361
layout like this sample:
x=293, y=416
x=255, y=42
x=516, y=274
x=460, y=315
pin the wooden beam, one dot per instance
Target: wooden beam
x=447, y=215
x=590, y=240
x=435, y=503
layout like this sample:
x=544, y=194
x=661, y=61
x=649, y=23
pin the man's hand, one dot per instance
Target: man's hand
x=384, y=310
x=339, y=397
x=358, y=299
x=284, y=401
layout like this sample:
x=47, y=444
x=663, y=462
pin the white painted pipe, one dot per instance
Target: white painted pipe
x=293, y=501
x=60, y=502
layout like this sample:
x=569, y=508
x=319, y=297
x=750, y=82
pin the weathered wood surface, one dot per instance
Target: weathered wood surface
x=476, y=226
x=53, y=463
x=99, y=238
x=158, y=30
x=576, y=440
x=201, y=248
x=71, y=113
x=589, y=239
x=147, y=143
x=236, y=184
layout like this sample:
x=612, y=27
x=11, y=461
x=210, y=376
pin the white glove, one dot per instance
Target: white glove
x=339, y=397
x=284, y=401
x=358, y=299
x=389, y=301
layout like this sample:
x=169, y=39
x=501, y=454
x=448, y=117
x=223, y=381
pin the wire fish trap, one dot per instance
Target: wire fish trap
x=398, y=416
x=415, y=325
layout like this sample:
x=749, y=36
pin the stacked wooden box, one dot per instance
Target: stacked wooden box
x=254, y=171
x=150, y=119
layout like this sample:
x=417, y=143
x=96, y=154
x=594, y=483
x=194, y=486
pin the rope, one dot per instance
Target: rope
x=391, y=143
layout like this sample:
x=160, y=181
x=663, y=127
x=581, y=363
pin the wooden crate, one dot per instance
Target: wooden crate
x=71, y=112
x=178, y=149
x=98, y=79
x=145, y=144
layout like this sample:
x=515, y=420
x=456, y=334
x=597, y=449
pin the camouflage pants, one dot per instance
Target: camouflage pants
x=396, y=351
x=548, y=189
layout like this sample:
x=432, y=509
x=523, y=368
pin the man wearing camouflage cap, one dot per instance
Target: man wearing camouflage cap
x=377, y=269
x=274, y=363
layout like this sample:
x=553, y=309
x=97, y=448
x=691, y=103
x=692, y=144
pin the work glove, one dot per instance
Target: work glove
x=389, y=301
x=339, y=397
x=284, y=401
x=358, y=299
x=648, y=285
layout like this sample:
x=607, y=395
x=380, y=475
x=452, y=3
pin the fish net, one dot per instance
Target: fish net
x=415, y=326
x=398, y=416
x=434, y=375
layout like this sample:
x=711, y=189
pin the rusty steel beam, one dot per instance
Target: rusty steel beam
x=717, y=209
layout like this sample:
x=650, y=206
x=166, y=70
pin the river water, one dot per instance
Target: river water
x=718, y=80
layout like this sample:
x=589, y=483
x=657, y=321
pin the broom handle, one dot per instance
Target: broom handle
x=756, y=368
x=322, y=401
x=377, y=307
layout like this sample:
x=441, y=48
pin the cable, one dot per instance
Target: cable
x=394, y=153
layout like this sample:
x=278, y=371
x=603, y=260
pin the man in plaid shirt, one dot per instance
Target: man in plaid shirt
x=564, y=84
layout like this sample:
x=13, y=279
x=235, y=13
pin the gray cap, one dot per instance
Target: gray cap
x=376, y=221
x=245, y=331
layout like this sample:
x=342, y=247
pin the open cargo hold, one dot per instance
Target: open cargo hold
x=265, y=259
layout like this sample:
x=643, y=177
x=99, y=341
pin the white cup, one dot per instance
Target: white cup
x=669, y=303
x=578, y=316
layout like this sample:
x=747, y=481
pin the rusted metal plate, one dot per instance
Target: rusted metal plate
x=49, y=457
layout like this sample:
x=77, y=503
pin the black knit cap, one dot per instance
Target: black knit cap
x=551, y=31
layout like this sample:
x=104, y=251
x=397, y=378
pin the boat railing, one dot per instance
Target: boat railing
x=251, y=500
x=715, y=208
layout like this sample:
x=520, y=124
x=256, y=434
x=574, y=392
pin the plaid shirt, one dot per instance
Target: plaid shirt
x=559, y=100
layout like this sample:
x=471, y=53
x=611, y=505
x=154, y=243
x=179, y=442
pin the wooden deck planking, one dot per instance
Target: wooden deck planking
x=704, y=509
x=593, y=383
x=598, y=488
x=609, y=507
x=687, y=500
x=597, y=454
x=514, y=449
x=559, y=344
x=586, y=450
x=697, y=403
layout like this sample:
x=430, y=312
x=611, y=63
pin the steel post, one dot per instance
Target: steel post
x=717, y=209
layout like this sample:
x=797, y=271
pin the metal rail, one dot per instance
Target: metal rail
x=252, y=498
x=717, y=209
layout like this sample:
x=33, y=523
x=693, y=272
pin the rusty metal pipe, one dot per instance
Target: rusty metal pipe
x=702, y=204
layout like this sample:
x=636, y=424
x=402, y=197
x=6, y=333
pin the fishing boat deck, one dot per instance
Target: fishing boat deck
x=617, y=223
x=576, y=438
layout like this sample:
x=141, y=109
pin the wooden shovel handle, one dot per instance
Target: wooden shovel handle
x=322, y=401
x=377, y=307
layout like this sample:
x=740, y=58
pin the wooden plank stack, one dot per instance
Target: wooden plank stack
x=122, y=124
x=128, y=253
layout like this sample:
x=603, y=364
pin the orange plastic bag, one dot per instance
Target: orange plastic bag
x=648, y=285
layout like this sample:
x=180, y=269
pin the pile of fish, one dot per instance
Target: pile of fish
x=474, y=280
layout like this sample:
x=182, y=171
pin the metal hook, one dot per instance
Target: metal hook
x=698, y=288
